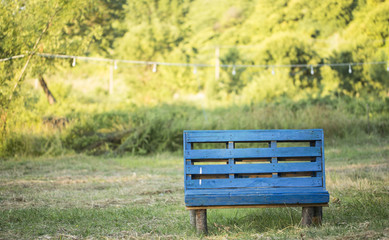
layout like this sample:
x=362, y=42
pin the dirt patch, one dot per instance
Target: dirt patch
x=162, y=192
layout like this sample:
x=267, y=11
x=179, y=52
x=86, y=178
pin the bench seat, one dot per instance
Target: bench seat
x=255, y=196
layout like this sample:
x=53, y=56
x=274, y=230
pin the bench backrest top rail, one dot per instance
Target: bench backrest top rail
x=194, y=136
x=269, y=167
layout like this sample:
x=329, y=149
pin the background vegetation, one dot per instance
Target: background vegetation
x=146, y=111
x=51, y=186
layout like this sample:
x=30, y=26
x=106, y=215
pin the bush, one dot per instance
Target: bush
x=159, y=128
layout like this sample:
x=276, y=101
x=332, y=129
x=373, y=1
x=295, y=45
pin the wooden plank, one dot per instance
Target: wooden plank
x=260, y=206
x=231, y=161
x=187, y=162
x=254, y=182
x=274, y=160
x=254, y=135
x=256, y=191
x=275, y=198
x=253, y=153
x=254, y=168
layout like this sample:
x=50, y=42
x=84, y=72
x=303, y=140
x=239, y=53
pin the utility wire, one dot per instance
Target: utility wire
x=195, y=65
x=11, y=58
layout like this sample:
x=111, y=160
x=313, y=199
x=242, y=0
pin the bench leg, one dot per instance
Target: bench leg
x=317, y=215
x=311, y=215
x=201, y=221
x=192, y=217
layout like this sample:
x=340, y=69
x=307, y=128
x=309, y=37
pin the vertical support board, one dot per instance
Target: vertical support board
x=274, y=160
x=187, y=146
x=231, y=161
x=320, y=161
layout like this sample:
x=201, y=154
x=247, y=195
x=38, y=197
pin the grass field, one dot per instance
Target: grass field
x=133, y=197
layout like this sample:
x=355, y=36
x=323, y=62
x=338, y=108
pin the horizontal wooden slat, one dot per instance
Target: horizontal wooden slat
x=254, y=168
x=255, y=182
x=253, y=153
x=260, y=206
x=254, y=191
x=253, y=135
x=253, y=199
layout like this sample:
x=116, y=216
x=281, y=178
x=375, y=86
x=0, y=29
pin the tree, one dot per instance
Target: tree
x=30, y=27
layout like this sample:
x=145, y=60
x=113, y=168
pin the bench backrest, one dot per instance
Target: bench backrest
x=254, y=159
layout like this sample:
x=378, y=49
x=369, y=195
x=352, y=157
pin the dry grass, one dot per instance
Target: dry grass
x=80, y=197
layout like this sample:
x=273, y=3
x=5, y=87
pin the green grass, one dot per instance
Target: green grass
x=142, y=197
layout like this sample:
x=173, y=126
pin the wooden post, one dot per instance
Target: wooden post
x=317, y=215
x=311, y=215
x=192, y=217
x=201, y=221
x=307, y=215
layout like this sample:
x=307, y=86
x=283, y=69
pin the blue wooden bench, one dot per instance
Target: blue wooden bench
x=254, y=168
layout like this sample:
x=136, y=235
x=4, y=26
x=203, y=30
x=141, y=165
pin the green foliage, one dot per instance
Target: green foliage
x=148, y=111
x=265, y=32
x=144, y=130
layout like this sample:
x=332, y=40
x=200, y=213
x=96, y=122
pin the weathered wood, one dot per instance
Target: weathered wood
x=255, y=182
x=192, y=218
x=311, y=216
x=201, y=221
x=317, y=216
x=254, y=168
x=259, y=206
x=254, y=135
x=253, y=153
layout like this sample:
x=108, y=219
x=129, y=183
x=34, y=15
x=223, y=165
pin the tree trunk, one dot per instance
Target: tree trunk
x=47, y=91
